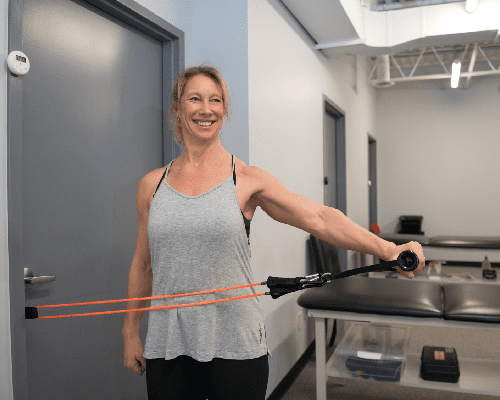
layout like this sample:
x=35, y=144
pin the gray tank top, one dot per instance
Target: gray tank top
x=199, y=243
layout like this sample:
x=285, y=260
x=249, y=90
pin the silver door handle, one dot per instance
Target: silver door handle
x=30, y=279
x=39, y=279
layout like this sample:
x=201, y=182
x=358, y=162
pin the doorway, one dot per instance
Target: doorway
x=334, y=163
x=84, y=126
x=372, y=180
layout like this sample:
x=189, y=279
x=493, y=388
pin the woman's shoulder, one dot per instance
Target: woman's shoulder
x=156, y=174
x=249, y=171
x=253, y=176
x=246, y=170
x=150, y=181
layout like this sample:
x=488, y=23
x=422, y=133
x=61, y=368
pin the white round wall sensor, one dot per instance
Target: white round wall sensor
x=18, y=63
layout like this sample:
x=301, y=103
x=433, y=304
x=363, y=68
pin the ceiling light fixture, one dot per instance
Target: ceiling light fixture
x=471, y=5
x=455, y=73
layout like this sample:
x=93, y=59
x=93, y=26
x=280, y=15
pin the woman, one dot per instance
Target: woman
x=193, y=235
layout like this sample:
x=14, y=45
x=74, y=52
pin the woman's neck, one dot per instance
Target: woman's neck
x=201, y=158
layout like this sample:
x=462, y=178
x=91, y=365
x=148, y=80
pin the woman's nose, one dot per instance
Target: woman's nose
x=205, y=108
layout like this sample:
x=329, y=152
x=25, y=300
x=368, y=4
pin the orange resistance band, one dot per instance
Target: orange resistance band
x=154, y=297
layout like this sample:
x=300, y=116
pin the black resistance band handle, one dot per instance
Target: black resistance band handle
x=407, y=261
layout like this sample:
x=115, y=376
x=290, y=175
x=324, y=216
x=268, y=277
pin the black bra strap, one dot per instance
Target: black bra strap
x=234, y=173
x=161, y=180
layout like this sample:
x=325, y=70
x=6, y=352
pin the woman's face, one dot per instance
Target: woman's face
x=201, y=110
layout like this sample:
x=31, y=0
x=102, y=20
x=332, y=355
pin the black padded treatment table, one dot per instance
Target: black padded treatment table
x=408, y=302
x=458, y=242
x=452, y=248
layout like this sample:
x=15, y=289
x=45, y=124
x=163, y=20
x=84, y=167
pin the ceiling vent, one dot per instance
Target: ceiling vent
x=383, y=72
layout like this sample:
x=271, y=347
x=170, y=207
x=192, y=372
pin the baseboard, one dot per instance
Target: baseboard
x=293, y=374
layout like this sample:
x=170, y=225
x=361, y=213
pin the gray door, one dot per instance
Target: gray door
x=372, y=181
x=92, y=127
x=329, y=161
x=334, y=163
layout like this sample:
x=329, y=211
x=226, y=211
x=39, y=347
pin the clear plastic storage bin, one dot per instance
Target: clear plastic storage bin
x=373, y=351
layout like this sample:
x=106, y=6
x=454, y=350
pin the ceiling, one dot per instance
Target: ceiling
x=423, y=37
x=385, y=5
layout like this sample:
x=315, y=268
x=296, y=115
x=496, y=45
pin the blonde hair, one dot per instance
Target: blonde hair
x=177, y=92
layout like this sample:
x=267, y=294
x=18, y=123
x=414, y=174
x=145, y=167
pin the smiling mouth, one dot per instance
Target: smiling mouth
x=205, y=124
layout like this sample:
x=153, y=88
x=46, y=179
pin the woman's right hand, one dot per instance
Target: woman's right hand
x=133, y=351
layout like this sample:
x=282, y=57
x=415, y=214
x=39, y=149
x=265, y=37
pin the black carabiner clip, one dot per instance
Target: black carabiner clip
x=316, y=280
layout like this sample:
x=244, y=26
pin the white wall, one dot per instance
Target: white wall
x=287, y=81
x=439, y=156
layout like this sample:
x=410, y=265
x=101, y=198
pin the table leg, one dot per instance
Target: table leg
x=320, y=359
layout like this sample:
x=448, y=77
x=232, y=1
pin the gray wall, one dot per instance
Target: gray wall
x=216, y=32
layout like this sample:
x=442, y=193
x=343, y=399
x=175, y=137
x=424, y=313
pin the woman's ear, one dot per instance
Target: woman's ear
x=176, y=112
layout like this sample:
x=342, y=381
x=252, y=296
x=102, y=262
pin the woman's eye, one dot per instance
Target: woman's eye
x=197, y=98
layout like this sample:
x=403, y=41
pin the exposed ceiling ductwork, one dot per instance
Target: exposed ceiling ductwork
x=383, y=72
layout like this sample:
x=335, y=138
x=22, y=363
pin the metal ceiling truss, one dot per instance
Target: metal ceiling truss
x=431, y=62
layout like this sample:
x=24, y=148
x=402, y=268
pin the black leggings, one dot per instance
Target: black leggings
x=219, y=379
